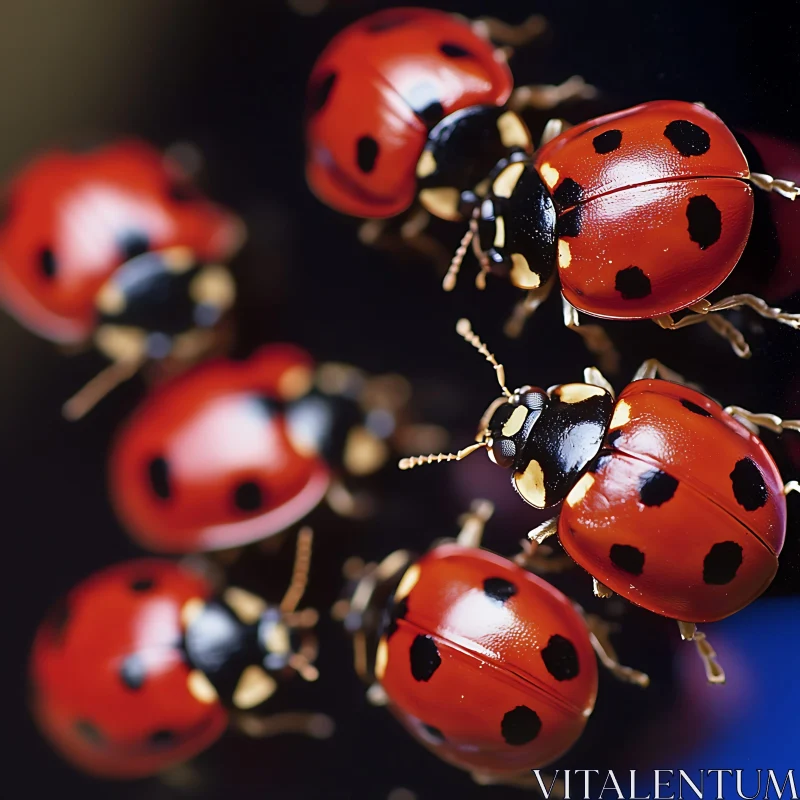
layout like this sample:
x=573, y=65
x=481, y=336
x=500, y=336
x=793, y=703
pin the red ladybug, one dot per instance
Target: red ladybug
x=233, y=452
x=118, y=245
x=142, y=666
x=661, y=470
x=412, y=100
x=486, y=664
x=642, y=214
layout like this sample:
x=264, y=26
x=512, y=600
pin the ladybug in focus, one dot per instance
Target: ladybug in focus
x=229, y=453
x=116, y=245
x=667, y=499
x=414, y=102
x=485, y=664
x=144, y=665
x=641, y=214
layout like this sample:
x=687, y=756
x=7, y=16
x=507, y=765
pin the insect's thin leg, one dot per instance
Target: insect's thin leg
x=717, y=323
x=500, y=32
x=347, y=504
x=653, y=368
x=554, y=127
x=376, y=233
x=547, y=96
x=599, y=631
x=540, y=559
x=788, y=189
x=526, y=307
x=689, y=633
x=596, y=339
x=315, y=725
x=98, y=387
x=769, y=421
x=544, y=531
x=600, y=589
x=474, y=522
x=791, y=486
x=594, y=377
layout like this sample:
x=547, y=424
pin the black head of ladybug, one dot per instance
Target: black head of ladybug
x=161, y=303
x=461, y=151
x=546, y=438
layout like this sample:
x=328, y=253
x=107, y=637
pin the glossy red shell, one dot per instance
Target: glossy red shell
x=490, y=624
x=82, y=208
x=686, y=514
x=658, y=206
x=213, y=432
x=374, y=80
x=81, y=703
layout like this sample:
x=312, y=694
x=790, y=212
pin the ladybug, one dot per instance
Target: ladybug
x=116, y=245
x=642, y=214
x=231, y=452
x=661, y=469
x=484, y=663
x=412, y=101
x=143, y=665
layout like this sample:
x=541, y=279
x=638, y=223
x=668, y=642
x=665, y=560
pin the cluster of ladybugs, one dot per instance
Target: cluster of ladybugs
x=666, y=498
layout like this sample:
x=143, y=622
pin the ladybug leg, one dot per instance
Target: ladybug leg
x=495, y=30
x=553, y=128
x=718, y=324
x=689, y=633
x=791, y=486
x=768, y=421
x=653, y=368
x=594, y=336
x=547, y=96
x=539, y=559
x=346, y=503
x=317, y=726
x=600, y=589
x=594, y=377
x=525, y=308
x=788, y=189
x=474, y=522
x=98, y=387
x=599, y=631
x=375, y=233
x=544, y=531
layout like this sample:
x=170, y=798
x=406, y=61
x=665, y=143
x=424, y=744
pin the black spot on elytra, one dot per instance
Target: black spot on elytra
x=499, y=589
x=561, y=658
x=158, y=475
x=425, y=658
x=161, y=739
x=632, y=283
x=721, y=563
x=134, y=243
x=569, y=224
x=705, y=220
x=627, y=558
x=431, y=114
x=434, y=733
x=395, y=612
x=454, y=50
x=319, y=93
x=695, y=409
x=520, y=725
x=89, y=732
x=607, y=142
x=656, y=487
x=248, y=497
x=687, y=138
x=366, y=153
x=613, y=436
x=568, y=194
x=749, y=487
x=142, y=584
x=389, y=20
x=133, y=672
x=47, y=263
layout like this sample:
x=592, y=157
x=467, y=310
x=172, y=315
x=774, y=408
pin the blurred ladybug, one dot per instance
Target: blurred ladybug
x=116, y=245
x=641, y=213
x=144, y=664
x=415, y=102
x=231, y=452
x=487, y=665
x=668, y=499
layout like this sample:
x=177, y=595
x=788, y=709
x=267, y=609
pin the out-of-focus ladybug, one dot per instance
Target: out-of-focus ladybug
x=416, y=102
x=117, y=245
x=144, y=665
x=667, y=498
x=487, y=665
x=231, y=452
x=638, y=214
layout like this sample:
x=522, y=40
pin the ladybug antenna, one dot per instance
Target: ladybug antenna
x=85, y=399
x=416, y=461
x=449, y=282
x=464, y=329
x=302, y=563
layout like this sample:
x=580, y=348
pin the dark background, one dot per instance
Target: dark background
x=229, y=77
